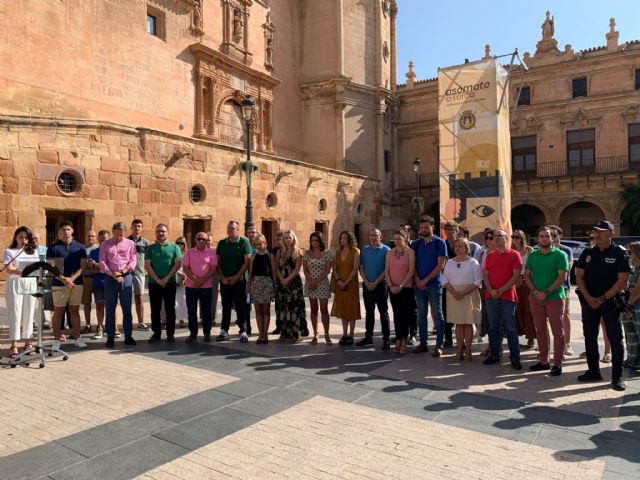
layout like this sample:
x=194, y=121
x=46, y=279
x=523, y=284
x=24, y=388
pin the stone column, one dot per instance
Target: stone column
x=393, y=13
x=212, y=103
x=199, y=105
x=340, y=37
x=380, y=146
x=340, y=135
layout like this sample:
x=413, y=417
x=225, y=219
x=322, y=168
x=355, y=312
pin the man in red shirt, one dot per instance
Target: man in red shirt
x=501, y=273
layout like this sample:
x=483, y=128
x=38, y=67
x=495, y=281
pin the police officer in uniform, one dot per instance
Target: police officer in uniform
x=601, y=274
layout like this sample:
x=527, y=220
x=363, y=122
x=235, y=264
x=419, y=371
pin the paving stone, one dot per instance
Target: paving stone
x=194, y=405
x=37, y=461
x=270, y=402
x=404, y=405
x=335, y=390
x=244, y=389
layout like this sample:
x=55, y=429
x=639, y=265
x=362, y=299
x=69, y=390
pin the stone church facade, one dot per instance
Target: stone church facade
x=120, y=109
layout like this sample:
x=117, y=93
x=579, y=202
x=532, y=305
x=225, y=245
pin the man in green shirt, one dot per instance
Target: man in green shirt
x=161, y=261
x=234, y=253
x=545, y=274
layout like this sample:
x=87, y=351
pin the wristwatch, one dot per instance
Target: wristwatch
x=546, y=292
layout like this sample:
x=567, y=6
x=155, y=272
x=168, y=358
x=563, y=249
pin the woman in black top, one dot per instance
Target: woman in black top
x=260, y=286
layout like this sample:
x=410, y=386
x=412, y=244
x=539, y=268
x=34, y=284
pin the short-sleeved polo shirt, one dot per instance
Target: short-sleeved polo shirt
x=232, y=255
x=163, y=258
x=141, y=247
x=200, y=262
x=500, y=266
x=71, y=254
x=601, y=268
x=373, y=260
x=427, y=254
x=544, y=270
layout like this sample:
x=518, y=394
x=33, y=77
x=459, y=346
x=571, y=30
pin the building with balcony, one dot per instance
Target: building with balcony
x=575, y=134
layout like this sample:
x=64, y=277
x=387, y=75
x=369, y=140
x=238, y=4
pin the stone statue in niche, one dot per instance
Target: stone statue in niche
x=385, y=51
x=237, y=25
x=269, y=51
x=547, y=26
x=197, y=13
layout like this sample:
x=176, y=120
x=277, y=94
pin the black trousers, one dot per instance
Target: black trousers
x=404, y=308
x=158, y=295
x=448, y=334
x=591, y=329
x=230, y=295
x=372, y=299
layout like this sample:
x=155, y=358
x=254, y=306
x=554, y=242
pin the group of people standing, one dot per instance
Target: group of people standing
x=504, y=288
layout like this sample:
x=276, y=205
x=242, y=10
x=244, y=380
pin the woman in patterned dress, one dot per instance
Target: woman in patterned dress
x=317, y=263
x=346, y=303
x=631, y=321
x=292, y=314
x=261, y=282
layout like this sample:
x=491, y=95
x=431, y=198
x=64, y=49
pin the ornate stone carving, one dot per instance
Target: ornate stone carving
x=612, y=36
x=385, y=51
x=632, y=113
x=238, y=26
x=269, y=40
x=235, y=29
x=548, y=43
x=581, y=119
x=411, y=76
x=385, y=7
x=487, y=51
x=196, y=22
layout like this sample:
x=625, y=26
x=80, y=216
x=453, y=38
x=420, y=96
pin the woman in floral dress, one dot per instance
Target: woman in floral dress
x=317, y=263
x=291, y=314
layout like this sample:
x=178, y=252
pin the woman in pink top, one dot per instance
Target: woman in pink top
x=199, y=265
x=399, y=268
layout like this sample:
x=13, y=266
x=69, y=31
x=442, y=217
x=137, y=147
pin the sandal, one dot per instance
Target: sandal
x=29, y=346
x=327, y=339
x=13, y=352
x=314, y=340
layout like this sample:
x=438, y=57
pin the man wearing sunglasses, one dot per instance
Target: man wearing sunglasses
x=199, y=264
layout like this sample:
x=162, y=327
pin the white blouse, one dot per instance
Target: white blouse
x=462, y=273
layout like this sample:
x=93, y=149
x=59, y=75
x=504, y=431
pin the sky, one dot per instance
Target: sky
x=437, y=33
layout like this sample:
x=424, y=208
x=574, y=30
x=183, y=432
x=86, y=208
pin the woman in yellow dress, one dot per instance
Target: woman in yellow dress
x=346, y=302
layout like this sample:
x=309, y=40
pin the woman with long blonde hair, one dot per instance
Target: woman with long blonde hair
x=291, y=314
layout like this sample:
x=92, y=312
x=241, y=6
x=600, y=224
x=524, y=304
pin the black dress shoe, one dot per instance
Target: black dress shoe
x=154, y=338
x=129, y=340
x=386, y=345
x=590, y=376
x=276, y=331
x=555, y=371
x=365, y=341
x=516, y=365
x=618, y=384
x=190, y=339
x=490, y=360
x=171, y=339
x=109, y=343
x=342, y=340
x=539, y=367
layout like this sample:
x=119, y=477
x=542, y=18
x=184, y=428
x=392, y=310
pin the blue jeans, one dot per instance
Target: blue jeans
x=501, y=315
x=192, y=297
x=114, y=291
x=431, y=297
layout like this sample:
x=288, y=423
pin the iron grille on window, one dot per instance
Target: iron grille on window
x=67, y=182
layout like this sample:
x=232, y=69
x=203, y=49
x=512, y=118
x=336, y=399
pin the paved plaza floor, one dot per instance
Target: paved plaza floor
x=247, y=411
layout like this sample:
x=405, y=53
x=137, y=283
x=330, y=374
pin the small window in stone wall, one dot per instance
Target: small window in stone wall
x=69, y=182
x=360, y=208
x=197, y=194
x=322, y=205
x=271, y=201
x=156, y=21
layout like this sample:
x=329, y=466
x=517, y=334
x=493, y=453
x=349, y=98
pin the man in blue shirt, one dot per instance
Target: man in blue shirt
x=374, y=288
x=431, y=255
x=70, y=257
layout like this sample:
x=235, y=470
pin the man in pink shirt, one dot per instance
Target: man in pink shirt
x=117, y=261
x=199, y=265
x=502, y=271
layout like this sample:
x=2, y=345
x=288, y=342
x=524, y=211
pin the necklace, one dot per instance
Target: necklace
x=397, y=253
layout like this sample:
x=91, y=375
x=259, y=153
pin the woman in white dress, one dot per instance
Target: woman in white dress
x=462, y=279
x=20, y=307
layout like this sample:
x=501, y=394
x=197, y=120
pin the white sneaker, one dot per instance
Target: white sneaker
x=56, y=345
x=79, y=343
x=568, y=350
x=243, y=338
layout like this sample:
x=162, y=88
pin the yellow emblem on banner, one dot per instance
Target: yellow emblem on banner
x=467, y=120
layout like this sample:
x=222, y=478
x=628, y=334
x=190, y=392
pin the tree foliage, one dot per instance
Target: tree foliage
x=630, y=217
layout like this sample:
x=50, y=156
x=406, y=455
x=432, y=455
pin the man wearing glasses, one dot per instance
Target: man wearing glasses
x=162, y=260
x=502, y=270
x=199, y=264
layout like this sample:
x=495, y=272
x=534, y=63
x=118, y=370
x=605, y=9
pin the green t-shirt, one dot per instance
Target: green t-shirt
x=232, y=255
x=163, y=258
x=544, y=270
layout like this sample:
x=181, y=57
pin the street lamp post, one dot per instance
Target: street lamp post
x=417, y=200
x=248, y=105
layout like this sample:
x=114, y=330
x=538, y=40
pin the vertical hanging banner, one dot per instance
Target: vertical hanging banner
x=475, y=146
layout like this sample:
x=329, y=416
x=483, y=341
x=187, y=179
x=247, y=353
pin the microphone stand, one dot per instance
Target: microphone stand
x=25, y=357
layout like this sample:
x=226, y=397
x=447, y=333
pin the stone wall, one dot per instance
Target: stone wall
x=131, y=173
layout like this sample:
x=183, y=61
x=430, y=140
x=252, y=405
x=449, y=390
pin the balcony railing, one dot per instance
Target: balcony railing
x=601, y=165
